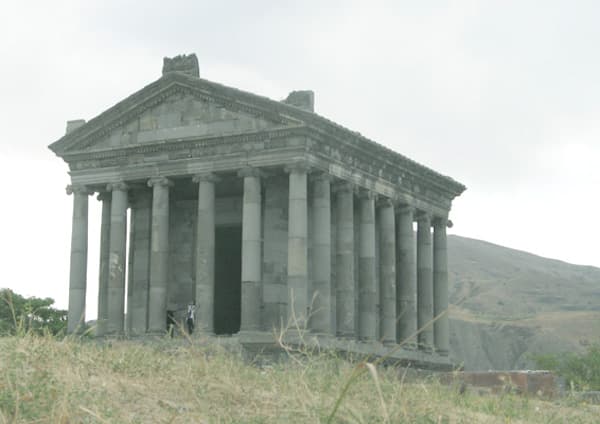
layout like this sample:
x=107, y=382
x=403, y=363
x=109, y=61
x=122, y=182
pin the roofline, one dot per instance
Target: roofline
x=281, y=109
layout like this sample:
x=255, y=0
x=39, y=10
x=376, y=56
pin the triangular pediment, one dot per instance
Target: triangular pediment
x=182, y=116
x=169, y=112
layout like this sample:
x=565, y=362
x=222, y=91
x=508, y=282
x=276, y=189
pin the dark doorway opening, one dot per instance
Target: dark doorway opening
x=228, y=279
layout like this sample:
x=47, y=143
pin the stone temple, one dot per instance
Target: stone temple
x=264, y=213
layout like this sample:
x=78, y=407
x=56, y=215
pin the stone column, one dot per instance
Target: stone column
x=102, y=321
x=367, y=302
x=387, y=273
x=424, y=283
x=159, y=255
x=116, y=258
x=139, y=271
x=320, y=321
x=251, y=250
x=130, y=251
x=406, y=279
x=441, y=330
x=345, y=260
x=205, y=252
x=297, y=269
x=78, y=267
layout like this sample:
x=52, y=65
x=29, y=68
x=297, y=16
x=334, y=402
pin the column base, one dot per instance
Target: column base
x=389, y=343
x=426, y=348
x=409, y=345
x=346, y=336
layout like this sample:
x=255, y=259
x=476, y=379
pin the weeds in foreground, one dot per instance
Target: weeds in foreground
x=50, y=380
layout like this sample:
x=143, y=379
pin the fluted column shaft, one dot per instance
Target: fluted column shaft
x=424, y=283
x=441, y=330
x=103, y=271
x=116, y=268
x=251, y=250
x=78, y=265
x=159, y=255
x=320, y=321
x=406, y=279
x=345, y=260
x=297, y=269
x=387, y=270
x=367, y=302
x=139, y=253
x=205, y=252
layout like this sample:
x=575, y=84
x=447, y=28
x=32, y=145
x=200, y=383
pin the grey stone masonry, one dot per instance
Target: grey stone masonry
x=116, y=259
x=320, y=321
x=406, y=278
x=297, y=269
x=424, y=283
x=344, y=205
x=205, y=252
x=387, y=270
x=251, y=250
x=78, y=271
x=139, y=269
x=367, y=315
x=441, y=330
x=103, y=271
x=297, y=240
x=159, y=255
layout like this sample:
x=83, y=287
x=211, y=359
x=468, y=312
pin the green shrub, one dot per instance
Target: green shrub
x=582, y=371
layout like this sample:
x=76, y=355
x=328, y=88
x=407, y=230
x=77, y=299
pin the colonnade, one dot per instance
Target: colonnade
x=412, y=290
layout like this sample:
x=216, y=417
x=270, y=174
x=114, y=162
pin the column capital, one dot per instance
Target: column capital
x=384, y=202
x=366, y=194
x=441, y=221
x=160, y=181
x=250, y=171
x=321, y=176
x=208, y=177
x=118, y=185
x=78, y=189
x=423, y=217
x=343, y=186
x=404, y=208
x=299, y=167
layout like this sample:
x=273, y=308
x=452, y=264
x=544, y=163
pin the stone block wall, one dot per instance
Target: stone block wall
x=182, y=223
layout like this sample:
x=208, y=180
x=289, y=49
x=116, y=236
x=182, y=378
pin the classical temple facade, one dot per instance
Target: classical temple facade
x=263, y=213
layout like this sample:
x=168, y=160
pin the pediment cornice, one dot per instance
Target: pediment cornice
x=156, y=93
x=72, y=146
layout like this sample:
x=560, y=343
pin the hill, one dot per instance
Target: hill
x=507, y=304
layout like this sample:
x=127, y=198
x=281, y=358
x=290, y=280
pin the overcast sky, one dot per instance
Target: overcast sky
x=503, y=96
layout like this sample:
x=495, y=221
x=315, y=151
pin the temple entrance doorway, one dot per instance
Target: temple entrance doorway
x=228, y=279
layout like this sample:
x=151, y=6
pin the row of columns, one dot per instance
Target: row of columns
x=411, y=294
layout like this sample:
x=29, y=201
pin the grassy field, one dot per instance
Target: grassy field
x=47, y=380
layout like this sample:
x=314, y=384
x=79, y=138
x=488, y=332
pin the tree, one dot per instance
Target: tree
x=20, y=314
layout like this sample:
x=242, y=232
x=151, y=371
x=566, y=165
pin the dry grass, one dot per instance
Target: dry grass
x=46, y=380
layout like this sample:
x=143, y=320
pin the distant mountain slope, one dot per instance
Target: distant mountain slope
x=507, y=304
